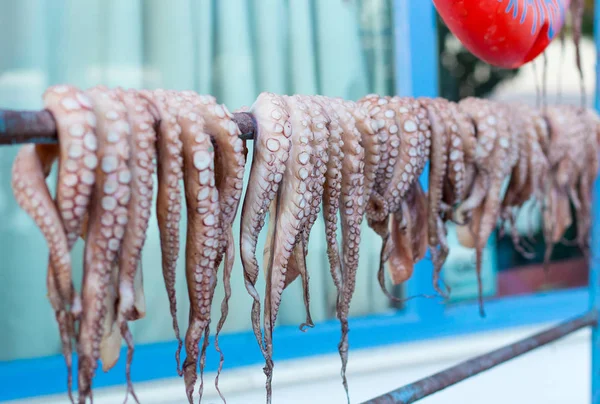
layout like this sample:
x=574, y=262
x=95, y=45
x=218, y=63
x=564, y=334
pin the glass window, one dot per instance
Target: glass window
x=507, y=270
x=231, y=49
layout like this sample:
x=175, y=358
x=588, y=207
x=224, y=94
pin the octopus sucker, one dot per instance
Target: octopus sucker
x=288, y=219
x=203, y=236
x=372, y=104
x=482, y=112
x=572, y=170
x=528, y=174
x=76, y=127
x=383, y=120
x=331, y=192
x=76, y=131
x=270, y=156
x=131, y=305
x=382, y=116
x=110, y=199
x=369, y=140
x=562, y=157
x=353, y=204
x=503, y=161
x=169, y=163
x=587, y=179
x=414, y=141
x=229, y=174
x=485, y=122
x=496, y=153
x=30, y=168
x=456, y=188
x=441, y=122
x=318, y=140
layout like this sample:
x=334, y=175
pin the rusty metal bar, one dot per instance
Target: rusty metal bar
x=19, y=127
x=455, y=374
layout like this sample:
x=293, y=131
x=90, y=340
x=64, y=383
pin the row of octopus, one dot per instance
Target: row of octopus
x=311, y=155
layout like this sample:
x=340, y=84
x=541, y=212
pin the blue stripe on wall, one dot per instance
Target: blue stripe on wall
x=42, y=376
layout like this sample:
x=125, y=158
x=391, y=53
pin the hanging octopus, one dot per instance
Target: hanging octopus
x=530, y=173
x=319, y=139
x=61, y=220
x=403, y=128
x=496, y=153
x=270, y=155
x=573, y=163
x=229, y=161
x=358, y=159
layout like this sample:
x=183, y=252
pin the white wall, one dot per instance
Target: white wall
x=556, y=374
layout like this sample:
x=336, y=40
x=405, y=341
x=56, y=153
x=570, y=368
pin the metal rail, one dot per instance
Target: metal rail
x=18, y=127
x=455, y=374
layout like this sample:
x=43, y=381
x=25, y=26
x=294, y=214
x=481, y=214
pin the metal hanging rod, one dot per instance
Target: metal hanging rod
x=19, y=127
x=455, y=374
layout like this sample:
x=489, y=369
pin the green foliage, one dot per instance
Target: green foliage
x=461, y=73
x=588, y=18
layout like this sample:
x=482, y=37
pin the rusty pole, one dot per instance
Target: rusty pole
x=455, y=374
x=19, y=127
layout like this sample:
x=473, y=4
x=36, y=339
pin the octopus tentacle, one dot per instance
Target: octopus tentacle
x=409, y=234
x=203, y=236
x=588, y=176
x=441, y=123
x=520, y=186
x=229, y=176
x=354, y=203
x=110, y=345
x=415, y=148
x=318, y=140
x=228, y=267
x=480, y=112
x=30, y=168
x=331, y=192
x=383, y=115
x=111, y=196
x=457, y=160
x=168, y=202
x=369, y=140
x=270, y=154
x=288, y=217
x=372, y=105
x=562, y=156
x=492, y=204
x=413, y=135
x=76, y=125
x=468, y=141
x=141, y=168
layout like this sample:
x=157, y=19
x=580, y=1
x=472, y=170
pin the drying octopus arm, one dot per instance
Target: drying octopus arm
x=109, y=205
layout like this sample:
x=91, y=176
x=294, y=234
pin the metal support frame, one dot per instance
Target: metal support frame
x=439, y=381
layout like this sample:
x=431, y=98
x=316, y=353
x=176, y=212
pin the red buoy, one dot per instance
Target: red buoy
x=504, y=33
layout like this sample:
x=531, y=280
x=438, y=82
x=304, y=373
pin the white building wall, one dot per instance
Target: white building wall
x=555, y=374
